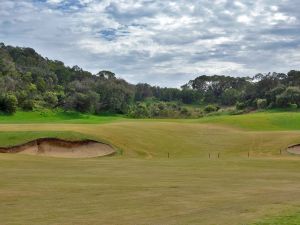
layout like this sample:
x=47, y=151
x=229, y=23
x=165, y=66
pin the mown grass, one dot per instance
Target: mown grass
x=41, y=191
x=144, y=186
x=180, y=140
x=261, y=121
x=287, y=219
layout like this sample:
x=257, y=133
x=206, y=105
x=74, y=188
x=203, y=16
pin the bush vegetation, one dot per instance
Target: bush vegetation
x=210, y=108
x=163, y=110
x=8, y=103
x=28, y=81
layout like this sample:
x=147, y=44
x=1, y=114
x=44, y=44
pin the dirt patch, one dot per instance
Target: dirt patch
x=61, y=148
x=295, y=149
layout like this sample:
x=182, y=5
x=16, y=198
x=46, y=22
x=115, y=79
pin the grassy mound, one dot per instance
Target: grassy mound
x=262, y=121
x=158, y=139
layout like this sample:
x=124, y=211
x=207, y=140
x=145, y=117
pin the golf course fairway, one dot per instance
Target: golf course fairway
x=214, y=170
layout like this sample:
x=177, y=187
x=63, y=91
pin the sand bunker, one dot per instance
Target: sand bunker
x=295, y=149
x=61, y=148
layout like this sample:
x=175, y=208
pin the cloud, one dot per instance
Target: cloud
x=161, y=42
x=55, y=1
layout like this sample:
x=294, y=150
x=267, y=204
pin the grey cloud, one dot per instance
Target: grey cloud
x=164, y=43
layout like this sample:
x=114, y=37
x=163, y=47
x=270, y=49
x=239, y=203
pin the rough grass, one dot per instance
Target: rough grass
x=48, y=116
x=144, y=186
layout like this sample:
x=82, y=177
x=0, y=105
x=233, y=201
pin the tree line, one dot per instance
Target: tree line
x=272, y=90
x=29, y=81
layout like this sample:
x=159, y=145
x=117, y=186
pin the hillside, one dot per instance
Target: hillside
x=29, y=82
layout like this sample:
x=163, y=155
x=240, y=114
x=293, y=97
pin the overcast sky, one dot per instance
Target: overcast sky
x=161, y=42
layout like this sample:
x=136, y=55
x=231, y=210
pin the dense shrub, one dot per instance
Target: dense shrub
x=8, y=103
x=290, y=96
x=82, y=102
x=28, y=105
x=138, y=111
x=240, y=105
x=230, y=96
x=162, y=110
x=185, y=112
x=210, y=108
x=293, y=106
x=282, y=100
x=51, y=98
x=261, y=103
x=271, y=105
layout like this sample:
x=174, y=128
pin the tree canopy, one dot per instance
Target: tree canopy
x=29, y=81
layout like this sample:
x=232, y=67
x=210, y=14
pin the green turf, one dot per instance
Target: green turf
x=144, y=186
x=260, y=121
x=181, y=140
x=287, y=219
x=270, y=121
x=57, y=117
x=116, y=191
x=15, y=138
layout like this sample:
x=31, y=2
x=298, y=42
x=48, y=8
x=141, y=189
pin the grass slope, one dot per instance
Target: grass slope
x=180, y=140
x=11, y=138
x=262, y=121
x=57, y=117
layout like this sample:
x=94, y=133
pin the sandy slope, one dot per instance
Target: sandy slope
x=60, y=148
